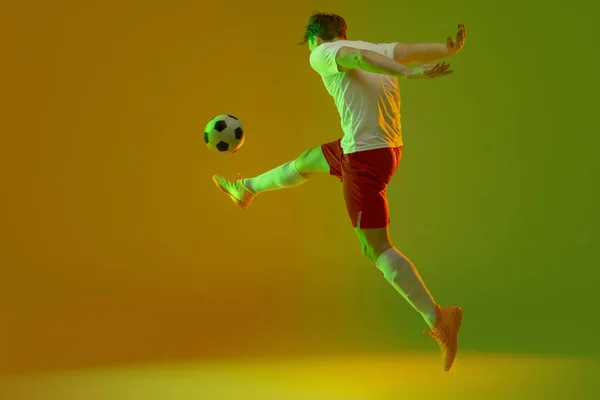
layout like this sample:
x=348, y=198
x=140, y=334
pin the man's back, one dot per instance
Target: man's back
x=368, y=103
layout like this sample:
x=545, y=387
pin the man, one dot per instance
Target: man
x=362, y=79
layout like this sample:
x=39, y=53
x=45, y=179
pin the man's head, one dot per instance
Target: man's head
x=324, y=27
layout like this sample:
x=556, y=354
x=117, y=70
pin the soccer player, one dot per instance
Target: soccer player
x=362, y=78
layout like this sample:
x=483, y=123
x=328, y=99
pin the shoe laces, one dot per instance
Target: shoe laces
x=226, y=183
x=437, y=334
x=231, y=183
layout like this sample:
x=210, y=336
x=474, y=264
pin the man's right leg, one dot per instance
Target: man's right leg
x=290, y=174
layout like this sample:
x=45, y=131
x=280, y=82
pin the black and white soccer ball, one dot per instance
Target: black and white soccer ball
x=224, y=134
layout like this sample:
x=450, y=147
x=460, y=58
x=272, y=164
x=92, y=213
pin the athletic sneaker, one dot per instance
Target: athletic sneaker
x=236, y=190
x=445, y=332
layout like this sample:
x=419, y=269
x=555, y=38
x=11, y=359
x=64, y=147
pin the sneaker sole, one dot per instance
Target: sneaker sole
x=238, y=203
x=458, y=317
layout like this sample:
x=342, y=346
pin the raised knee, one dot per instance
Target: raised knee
x=372, y=251
x=368, y=253
x=302, y=163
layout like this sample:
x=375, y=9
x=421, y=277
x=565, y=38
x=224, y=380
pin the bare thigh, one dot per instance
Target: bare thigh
x=312, y=161
x=373, y=242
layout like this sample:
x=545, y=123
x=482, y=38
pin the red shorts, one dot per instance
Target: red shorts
x=365, y=176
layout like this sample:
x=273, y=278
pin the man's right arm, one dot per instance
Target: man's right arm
x=350, y=58
x=370, y=61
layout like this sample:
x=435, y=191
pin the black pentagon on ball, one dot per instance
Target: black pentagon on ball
x=206, y=137
x=239, y=133
x=222, y=146
x=220, y=126
x=231, y=116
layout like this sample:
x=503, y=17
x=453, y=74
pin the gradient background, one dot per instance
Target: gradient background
x=118, y=249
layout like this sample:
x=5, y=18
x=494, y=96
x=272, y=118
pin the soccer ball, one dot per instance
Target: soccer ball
x=224, y=134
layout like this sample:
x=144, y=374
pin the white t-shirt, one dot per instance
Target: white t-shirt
x=368, y=103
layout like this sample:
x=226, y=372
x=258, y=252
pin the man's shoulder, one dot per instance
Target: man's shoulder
x=359, y=44
x=331, y=47
x=326, y=49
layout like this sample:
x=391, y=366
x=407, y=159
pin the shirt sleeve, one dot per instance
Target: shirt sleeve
x=322, y=59
x=387, y=49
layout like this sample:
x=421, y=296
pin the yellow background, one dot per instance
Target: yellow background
x=117, y=248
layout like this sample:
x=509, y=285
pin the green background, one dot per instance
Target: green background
x=117, y=248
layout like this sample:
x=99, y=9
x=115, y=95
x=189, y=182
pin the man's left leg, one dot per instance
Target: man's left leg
x=397, y=269
x=365, y=180
x=400, y=272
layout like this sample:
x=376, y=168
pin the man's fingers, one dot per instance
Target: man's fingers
x=449, y=42
x=462, y=34
x=443, y=66
x=438, y=68
x=445, y=73
x=436, y=75
x=442, y=71
x=433, y=70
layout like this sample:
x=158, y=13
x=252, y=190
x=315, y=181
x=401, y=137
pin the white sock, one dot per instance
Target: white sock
x=284, y=176
x=403, y=276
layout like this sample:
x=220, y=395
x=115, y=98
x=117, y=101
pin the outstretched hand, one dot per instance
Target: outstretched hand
x=430, y=71
x=455, y=45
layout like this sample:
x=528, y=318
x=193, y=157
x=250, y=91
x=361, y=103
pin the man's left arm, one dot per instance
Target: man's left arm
x=427, y=52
